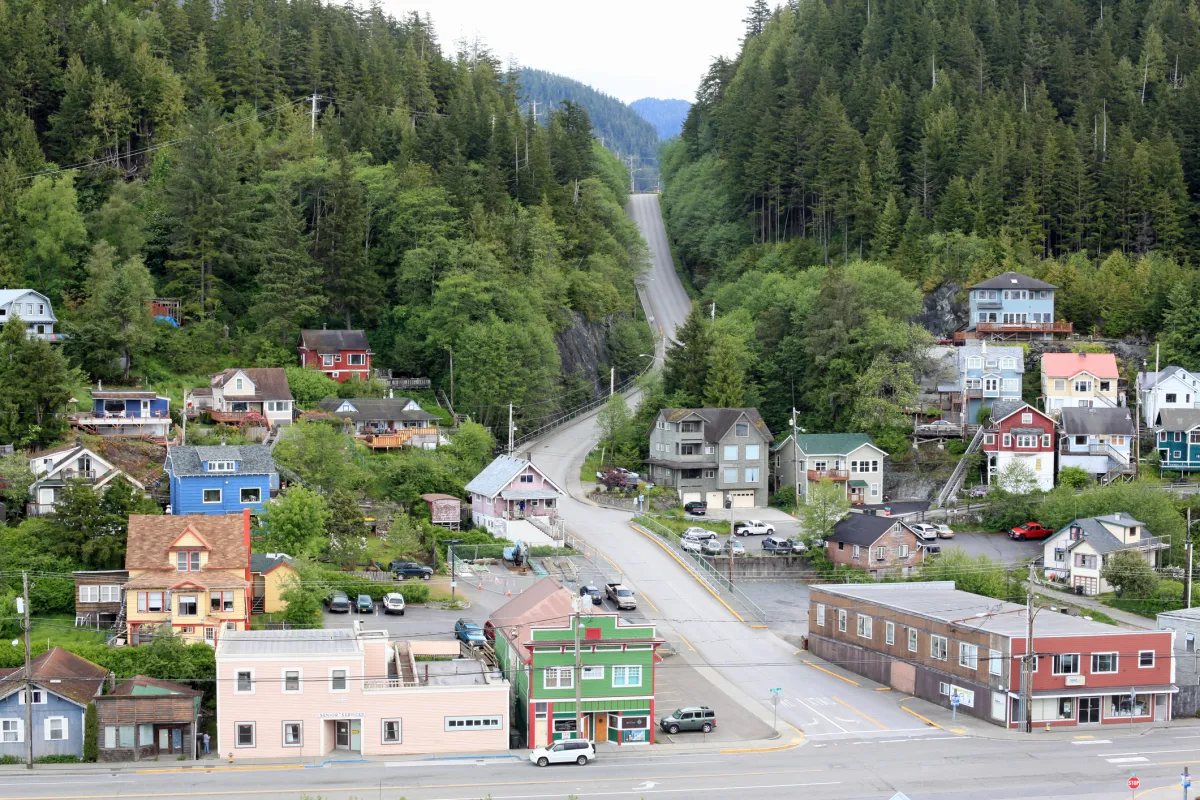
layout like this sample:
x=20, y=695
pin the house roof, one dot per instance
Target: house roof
x=252, y=459
x=1100, y=538
x=1013, y=280
x=270, y=383
x=990, y=352
x=434, y=496
x=298, y=641
x=374, y=408
x=832, y=444
x=1148, y=380
x=718, y=421
x=61, y=672
x=1096, y=421
x=326, y=341
x=1179, y=419
x=169, y=579
x=498, y=474
x=262, y=563
x=1066, y=365
x=1006, y=408
x=151, y=537
x=546, y=602
x=8, y=295
x=142, y=685
x=124, y=394
x=862, y=529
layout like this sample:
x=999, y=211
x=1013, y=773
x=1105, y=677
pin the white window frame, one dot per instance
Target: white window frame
x=903, y=551
x=237, y=735
x=195, y=602
x=968, y=655
x=18, y=729
x=821, y=615
x=39, y=697
x=752, y=475
x=345, y=679
x=204, y=497
x=865, y=627
x=841, y=620
x=995, y=667
x=727, y=449
x=594, y=672
x=362, y=359
x=283, y=680
x=480, y=723
x=752, y=452
x=630, y=671
x=257, y=494
x=939, y=647
x=283, y=733
x=989, y=438
x=222, y=467
x=326, y=360
x=1141, y=657
x=731, y=475
x=889, y=633
x=914, y=640
x=237, y=681
x=383, y=737
x=1115, y=663
x=881, y=553
x=89, y=593
x=113, y=592
x=558, y=673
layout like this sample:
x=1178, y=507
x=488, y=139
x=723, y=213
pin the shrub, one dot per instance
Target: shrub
x=10, y=760
x=59, y=759
x=91, y=730
x=956, y=447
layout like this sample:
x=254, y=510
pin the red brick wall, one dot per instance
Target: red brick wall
x=1126, y=645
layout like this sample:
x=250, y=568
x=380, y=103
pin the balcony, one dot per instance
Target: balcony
x=989, y=304
x=828, y=474
x=39, y=509
x=236, y=417
x=1151, y=543
x=408, y=437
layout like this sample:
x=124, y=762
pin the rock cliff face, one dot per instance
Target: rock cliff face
x=944, y=311
x=583, y=348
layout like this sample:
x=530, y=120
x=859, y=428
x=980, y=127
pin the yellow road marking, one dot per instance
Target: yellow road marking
x=1145, y=792
x=647, y=599
x=884, y=689
x=1083, y=737
x=834, y=674
x=671, y=553
x=796, y=742
x=758, y=626
x=685, y=641
x=959, y=731
x=219, y=769
x=921, y=717
x=796, y=653
x=861, y=714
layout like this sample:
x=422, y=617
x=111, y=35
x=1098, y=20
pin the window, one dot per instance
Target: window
x=245, y=682
x=89, y=593
x=187, y=561
x=1007, y=441
x=391, y=731
x=1045, y=440
x=527, y=478
x=11, y=731
x=857, y=551
x=252, y=495
x=150, y=602
x=889, y=633
x=842, y=620
x=245, y=734
x=741, y=429
x=1105, y=386
x=291, y=681
x=1066, y=663
x=752, y=452
x=991, y=384
x=212, y=496
x=39, y=697
x=558, y=678
x=821, y=615
x=989, y=438
x=938, y=647
x=688, y=449
x=337, y=680
x=708, y=473
x=710, y=449
x=593, y=673
x=731, y=476
x=975, y=362
x=238, y=384
x=55, y=729
x=1012, y=385
x=627, y=676
x=220, y=601
x=968, y=655
x=912, y=640
x=731, y=452
x=1145, y=659
x=293, y=734
x=864, y=626
x=222, y=466
x=903, y=551
x=1170, y=397
x=881, y=553
x=1084, y=386
x=1060, y=385
x=1025, y=440
x=110, y=594
x=145, y=733
x=540, y=710
x=125, y=736
x=564, y=725
x=327, y=361
x=357, y=359
x=994, y=664
x=1104, y=663
x=110, y=737
x=474, y=723
x=188, y=607
x=943, y=688
x=752, y=475
x=1027, y=419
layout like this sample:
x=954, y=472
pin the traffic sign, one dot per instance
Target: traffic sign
x=1134, y=782
x=777, y=690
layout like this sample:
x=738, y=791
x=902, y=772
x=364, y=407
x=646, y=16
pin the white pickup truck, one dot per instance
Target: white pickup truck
x=753, y=527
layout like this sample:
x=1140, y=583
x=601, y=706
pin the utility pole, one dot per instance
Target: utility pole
x=1190, y=551
x=510, y=429
x=795, y=455
x=612, y=381
x=183, y=436
x=578, y=620
x=713, y=313
x=312, y=131
x=28, y=673
x=451, y=349
x=1027, y=671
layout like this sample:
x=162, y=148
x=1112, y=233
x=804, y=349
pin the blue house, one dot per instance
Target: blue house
x=985, y=375
x=1179, y=439
x=1012, y=306
x=1098, y=440
x=222, y=479
x=63, y=686
x=126, y=412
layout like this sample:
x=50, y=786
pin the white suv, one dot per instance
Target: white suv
x=571, y=751
x=925, y=531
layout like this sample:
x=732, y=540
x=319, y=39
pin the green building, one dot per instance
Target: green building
x=535, y=646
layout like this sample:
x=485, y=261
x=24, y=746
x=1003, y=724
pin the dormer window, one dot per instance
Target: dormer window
x=238, y=384
x=974, y=363
x=222, y=466
x=1009, y=363
x=187, y=561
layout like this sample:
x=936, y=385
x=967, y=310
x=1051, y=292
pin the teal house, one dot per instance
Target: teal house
x=1179, y=439
x=535, y=646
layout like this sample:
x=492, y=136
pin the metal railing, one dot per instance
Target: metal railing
x=960, y=471
x=576, y=413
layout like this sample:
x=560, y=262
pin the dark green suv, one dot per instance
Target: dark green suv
x=692, y=718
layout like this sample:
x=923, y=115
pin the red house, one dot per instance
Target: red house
x=338, y=354
x=1019, y=434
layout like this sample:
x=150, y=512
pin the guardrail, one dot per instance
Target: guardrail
x=576, y=413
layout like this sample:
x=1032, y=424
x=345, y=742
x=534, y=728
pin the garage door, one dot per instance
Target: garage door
x=742, y=499
x=692, y=497
x=715, y=501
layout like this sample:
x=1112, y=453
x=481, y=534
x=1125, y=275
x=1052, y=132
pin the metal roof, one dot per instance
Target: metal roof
x=252, y=459
x=498, y=474
x=1013, y=280
x=326, y=341
x=306, y=641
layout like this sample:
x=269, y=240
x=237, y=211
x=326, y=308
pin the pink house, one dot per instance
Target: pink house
x=342, y=692
x=510, y=490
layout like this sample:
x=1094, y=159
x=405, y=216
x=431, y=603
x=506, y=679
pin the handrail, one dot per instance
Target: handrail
x=588, y=407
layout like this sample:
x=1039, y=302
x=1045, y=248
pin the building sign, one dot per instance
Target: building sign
x=965, y=697
x=1076, y=680
x=342, y=715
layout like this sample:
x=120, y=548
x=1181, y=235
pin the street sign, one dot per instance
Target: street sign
x=1134, y=782
x=777, y=690
x=954, y=700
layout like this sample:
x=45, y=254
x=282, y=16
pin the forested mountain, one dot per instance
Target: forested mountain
x=666, y=116
x=621, y=129
x=945, y=143
x=283, y=165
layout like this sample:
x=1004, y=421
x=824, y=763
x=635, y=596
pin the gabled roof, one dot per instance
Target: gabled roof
x=1148, y=380
x=718, y=421
x=143, y=685
x=270, y=383
x=374, y=408
x=326, y=341
x=8, y=295
x=1096, y=421
x=61, y=672
x=1004, y=408
x=125, y=394
x=544, y=603
x=990, y=352
x=1013, y=280
x=150, y=537
x=1067, y=365
x=500, y=473
x=1179, y=419
x=862, y=529
x=833, y=444
x=252, y=459
x=262, y=563
x=1098, y=537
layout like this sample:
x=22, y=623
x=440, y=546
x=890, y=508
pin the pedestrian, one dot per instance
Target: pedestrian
x=206, y=739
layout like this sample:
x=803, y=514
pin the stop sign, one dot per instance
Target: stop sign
x=1134, y=782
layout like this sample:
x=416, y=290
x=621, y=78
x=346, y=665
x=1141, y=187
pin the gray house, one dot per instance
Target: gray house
x=712, y=454
x=1185, y=623
x=850, y=459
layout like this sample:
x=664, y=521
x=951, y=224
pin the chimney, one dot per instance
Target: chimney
x=983, y=347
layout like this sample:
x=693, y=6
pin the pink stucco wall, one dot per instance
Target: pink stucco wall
x=497, y=507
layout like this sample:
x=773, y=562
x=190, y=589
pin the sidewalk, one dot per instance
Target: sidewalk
x=1124, y=618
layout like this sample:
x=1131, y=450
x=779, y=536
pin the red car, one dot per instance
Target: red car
x=1031, y=530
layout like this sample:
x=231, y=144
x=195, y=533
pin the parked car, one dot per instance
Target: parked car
x=468, y=633
x=1031, y=530
x=697, y=508
x=782, y=547
x=945, y=531
x=734, y=547
x=692, y=718
x=924, y=531
x=711, y=547
x=593, y=592
x=410, y=569
x=363, y=604
x=700, y=534
x=931, y=550
x=625, y=474
x=621, y=596
x=393, y=603
x=978, y=491
x=753, y=527
x=338, y=603
x=691, y=545
x=571, y=751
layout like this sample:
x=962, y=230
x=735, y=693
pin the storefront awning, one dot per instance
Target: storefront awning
x=1100, y=691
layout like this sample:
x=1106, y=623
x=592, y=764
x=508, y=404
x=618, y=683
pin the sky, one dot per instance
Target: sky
x=626, y=48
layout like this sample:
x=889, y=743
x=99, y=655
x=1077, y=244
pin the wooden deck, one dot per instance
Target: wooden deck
x=403, y=438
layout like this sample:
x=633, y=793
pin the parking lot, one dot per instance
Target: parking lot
x=996, y=546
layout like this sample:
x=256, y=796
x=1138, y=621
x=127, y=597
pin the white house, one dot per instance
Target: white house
x=1077, y=553
x=513, y=498
x=1173, y=387
x=32, y=309
x=54, y=468
x=235, y=393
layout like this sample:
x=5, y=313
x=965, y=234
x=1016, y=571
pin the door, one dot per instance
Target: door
x=164, y=739
x=356, y=735
x=559, y=754
x=145, y=408
x=176, y=740
x=715, y=501
x=692, y=497
x=587, y=726
x=341, y=734
x=997, y=705
x=601, y=727
x=210, y=636
x=1089, y=710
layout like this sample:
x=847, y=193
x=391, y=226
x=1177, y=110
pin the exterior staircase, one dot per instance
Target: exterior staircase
x=960, y=471
x=117, y=633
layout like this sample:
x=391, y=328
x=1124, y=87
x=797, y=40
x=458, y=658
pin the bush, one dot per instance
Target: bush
x=956, y=447
x=354, y=586
x=91, y=730
x=10, y=760
x=59, y=759
x=1169, y=590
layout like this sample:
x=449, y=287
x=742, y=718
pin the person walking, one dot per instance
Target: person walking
x=206, y=740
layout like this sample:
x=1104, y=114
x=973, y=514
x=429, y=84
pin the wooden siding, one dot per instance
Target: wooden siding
x=187, y=493
x=54, y=706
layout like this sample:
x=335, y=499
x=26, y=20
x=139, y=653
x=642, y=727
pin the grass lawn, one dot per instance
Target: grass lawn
x=591, y=465
x=59, y=629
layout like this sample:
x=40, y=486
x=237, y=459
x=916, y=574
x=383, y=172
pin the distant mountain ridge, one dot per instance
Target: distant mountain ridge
x=666, y=116
x=622, y=130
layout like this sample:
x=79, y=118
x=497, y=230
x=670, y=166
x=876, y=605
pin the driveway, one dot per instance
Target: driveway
x=996, y=546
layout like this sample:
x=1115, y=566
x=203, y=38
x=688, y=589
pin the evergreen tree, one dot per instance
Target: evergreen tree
x=725, y=386
x=289, y=290
x=351, y=283
x=685, y=371
x=1180, y=338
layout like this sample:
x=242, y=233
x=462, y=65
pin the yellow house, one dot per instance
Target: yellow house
x=1079, y=380
x=270, y=574
x=190, y=573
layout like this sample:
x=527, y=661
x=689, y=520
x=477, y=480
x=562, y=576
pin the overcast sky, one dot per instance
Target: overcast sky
x=626, y=48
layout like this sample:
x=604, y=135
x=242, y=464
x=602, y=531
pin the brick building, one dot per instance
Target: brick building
x=876, y=544
x=938, y=643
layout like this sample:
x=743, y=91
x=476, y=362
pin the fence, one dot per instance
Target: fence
x=576, y=413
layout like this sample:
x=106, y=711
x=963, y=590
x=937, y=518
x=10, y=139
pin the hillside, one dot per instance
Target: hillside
x=945, y=144
x=666, y=116
x=621, y=129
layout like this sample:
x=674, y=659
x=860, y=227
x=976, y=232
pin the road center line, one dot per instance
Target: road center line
x=861, y=714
